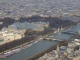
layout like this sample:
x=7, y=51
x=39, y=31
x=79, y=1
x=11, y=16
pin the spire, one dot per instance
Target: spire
x=58, y=29
x=58, y=47
x=61, y=28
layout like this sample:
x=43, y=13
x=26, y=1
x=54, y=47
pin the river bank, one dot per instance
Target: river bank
x=43, y=35
x=61, y=43
x=25, y=44
x=17, y=49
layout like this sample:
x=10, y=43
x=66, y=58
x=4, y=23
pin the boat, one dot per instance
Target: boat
x=36, y=41
x=6, y=54
x=0, y=55
x=16, y=50
x=10, y=52
x=24, y=47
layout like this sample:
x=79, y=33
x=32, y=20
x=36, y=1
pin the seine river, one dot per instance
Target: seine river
x=34, y=49
x=40, y=46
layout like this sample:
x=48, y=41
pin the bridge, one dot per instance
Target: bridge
x=69, y=32
x=54, y=39
x=50, y=38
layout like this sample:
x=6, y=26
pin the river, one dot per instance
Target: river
x=67, y=36
x=40, y=46
x=34, y=49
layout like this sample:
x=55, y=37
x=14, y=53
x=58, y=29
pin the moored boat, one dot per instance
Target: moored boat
x=10, y=52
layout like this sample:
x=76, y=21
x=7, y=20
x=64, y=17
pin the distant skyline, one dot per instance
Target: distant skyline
x=10, y=8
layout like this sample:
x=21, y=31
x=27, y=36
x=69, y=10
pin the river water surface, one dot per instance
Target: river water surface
x=40, y=46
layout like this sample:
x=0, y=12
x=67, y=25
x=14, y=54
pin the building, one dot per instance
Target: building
x=44, y=24
x=7, y=34
x=26, y=26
